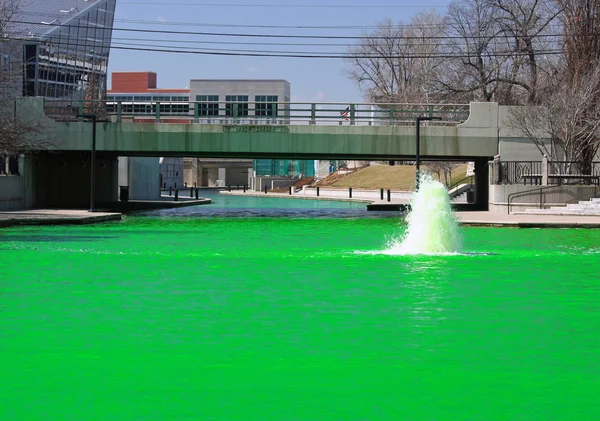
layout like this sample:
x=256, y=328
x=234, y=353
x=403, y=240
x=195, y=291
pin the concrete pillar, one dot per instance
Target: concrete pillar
x=482, y=187
x=29, y=181
x=123, y=171
x=545, y=170
x=212, y=177
x=496, y=175
x=223, y=175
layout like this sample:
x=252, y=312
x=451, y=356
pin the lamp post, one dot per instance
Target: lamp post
x=92, y=159
x=418, y=145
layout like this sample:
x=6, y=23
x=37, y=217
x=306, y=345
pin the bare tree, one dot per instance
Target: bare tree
x=394, y=63
x=581, y=21
x=526, y=30
x=567, y=126
x=444, y=168
x=474, y=59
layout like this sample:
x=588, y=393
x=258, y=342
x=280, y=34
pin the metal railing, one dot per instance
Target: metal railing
x=559, y=172
x=539, y=190
x=517, y=172
x=461, y=181
x=284, y=113
x=574, y=172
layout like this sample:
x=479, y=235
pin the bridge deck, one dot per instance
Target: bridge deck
x=364, y=135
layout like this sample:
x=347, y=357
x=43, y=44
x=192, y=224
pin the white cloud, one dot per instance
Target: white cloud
x=252, y=69
x=162, y=19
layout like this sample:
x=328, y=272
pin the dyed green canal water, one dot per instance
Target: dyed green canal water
x=168, y=317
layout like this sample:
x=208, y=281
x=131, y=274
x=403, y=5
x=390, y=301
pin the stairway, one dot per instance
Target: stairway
x=461, y=198
x=583, y=208
x=459, y=193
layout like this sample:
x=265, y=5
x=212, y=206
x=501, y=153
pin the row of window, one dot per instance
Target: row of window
x=208, y=106
x=150, y=108
x=128, y=98
x=237, y=98
x=262, y=110
x=199, y=98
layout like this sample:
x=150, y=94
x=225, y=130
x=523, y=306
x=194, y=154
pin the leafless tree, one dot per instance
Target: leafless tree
x=497, y=50
x=394, y=63
x=481, y=50
x=474, y=60
x=567, y=126
x=581, y=21
x=444, y=168
x=527, y=28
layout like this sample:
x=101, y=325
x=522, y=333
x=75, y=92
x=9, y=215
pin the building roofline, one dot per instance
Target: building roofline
x=239, y=80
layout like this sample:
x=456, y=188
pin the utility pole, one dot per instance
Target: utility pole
x=92, y=161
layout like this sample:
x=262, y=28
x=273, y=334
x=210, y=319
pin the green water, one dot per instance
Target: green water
x=231, y=318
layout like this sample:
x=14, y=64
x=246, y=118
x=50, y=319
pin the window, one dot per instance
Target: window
x=241, y=101
x=174, y=108
x=266, y=105
x=208, y=105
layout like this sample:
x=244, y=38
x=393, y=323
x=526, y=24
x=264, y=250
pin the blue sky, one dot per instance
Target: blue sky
x=311, y=79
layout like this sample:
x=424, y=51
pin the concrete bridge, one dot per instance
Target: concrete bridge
x=60, y=178
x=289, y=137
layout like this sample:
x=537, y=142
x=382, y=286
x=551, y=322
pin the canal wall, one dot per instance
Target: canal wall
x=11, y=192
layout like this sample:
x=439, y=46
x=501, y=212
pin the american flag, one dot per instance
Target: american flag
x=345, y=113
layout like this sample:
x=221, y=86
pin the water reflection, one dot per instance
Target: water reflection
x=256, y=207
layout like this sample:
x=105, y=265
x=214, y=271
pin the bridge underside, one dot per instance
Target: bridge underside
x=62, y=180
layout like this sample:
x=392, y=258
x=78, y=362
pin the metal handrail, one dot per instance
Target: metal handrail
x=541, y=190
x=458, y=183
x=282, y=112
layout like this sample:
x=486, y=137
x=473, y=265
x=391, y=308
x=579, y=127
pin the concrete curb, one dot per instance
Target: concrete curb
x=56, y=220
x=297, y=197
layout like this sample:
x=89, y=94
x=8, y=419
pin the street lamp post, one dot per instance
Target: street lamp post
x=418, y=148
x=92, y=159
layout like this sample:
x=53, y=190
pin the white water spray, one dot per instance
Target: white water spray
x=432, y=227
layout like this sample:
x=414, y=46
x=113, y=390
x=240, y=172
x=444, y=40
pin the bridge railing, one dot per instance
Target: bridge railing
x=266, y=113
x=549, y=172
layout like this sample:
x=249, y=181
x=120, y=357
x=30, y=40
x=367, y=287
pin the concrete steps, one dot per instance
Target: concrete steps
x=583, y=208
x=461, y=198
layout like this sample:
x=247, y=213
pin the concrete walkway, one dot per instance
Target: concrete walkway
x=490, y=219
x=487, y=219
x=295, y=196
x=55, y=217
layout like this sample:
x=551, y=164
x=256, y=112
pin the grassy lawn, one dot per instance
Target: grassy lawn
x=399, y=177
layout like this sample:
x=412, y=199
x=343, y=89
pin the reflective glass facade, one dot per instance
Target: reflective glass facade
x=284, y=167
x=67, y=57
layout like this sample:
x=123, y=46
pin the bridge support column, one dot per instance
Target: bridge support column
x=62, y=180
x=482, y=187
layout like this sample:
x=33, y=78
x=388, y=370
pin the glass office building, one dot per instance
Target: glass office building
x=66, y=46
